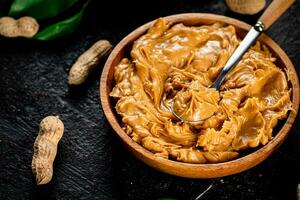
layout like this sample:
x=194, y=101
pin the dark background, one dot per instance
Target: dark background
x=91, y=162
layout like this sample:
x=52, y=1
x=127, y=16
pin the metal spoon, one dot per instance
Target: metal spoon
x=271, y=14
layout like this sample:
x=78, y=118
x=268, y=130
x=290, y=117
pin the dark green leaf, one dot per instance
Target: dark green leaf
x=60, y=28
x=39, y=9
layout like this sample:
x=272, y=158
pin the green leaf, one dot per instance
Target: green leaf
x=61, y=28
x=39, y=9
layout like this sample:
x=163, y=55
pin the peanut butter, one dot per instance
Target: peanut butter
x=172, y=67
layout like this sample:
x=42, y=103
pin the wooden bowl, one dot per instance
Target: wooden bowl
x=186, y=169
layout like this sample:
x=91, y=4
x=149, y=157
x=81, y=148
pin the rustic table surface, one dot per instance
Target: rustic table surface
x=91, y=162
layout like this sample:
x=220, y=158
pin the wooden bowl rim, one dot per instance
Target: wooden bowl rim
x=247, y=161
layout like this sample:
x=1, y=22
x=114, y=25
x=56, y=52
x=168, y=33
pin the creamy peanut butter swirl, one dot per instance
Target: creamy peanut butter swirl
x=172, y=67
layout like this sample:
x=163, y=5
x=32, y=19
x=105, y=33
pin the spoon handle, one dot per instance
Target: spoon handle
x=274, y=11
x=245, y=44
x=271, y=14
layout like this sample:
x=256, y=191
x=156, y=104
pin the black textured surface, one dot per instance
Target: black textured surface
x=91, y=162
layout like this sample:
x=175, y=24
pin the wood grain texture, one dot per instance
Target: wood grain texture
x=274, y=11
x=186, y=169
